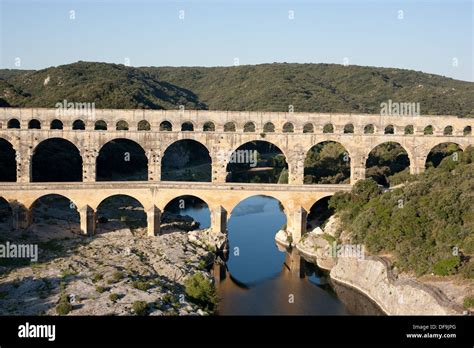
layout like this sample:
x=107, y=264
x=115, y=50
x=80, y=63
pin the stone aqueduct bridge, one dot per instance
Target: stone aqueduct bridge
x=220, y=132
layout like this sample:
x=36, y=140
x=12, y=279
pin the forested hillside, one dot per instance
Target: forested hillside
x=265, y=87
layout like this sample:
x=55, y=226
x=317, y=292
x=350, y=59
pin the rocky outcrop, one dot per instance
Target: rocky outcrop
x=107, y=273
x=208, y=239
x=314, y=247
x=373, y=276
x=283, y=238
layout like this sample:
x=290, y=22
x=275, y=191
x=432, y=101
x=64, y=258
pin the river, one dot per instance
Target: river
x=262, y=278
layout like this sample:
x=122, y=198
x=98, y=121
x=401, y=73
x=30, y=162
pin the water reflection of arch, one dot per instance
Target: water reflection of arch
x=230, y=208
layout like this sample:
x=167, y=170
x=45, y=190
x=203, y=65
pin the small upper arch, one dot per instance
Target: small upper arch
x=143, y=125
x=34, y=124
x=100, y=125
x=389, y=129
x=249, y=127
x=269, y=127
x=349, y=128
x=369, y=129
x=13, y=123
x=121, y=125
x=308, y=128
x=166, y=126
x=209, y=127
x=328, y=128
x=229, y=127
x=187, y=126
x=78, y=125
x=56, y=124
x=448, y=130
x=288, y=127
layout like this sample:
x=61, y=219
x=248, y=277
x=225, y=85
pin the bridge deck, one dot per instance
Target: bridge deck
x=170, y=185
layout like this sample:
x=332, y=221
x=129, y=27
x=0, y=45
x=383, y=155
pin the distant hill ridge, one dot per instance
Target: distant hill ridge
x=264, y=87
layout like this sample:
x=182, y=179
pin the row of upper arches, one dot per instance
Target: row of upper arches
x=121, y=154
x=268, y=127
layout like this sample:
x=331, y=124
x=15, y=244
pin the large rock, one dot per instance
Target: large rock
x=374, y=278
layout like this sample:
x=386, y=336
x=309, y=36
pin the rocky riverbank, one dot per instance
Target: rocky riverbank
x=395, y=294
x=121, y=272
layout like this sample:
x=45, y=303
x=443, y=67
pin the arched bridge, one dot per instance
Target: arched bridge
x=221, y=132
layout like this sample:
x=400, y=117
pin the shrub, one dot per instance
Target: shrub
x=140, y=307
x=100, y=289
x=116, y=277
x=447, y=266
x=468, y=301
x=114, y=297
x=467, y=270
x=141, y=285
x=201, y=291
x=63, y=307
x=202, y=264
x=96, y=277
x=328, y=238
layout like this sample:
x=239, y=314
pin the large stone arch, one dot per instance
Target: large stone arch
x=431, y=147
x=167, y=200
x=9, y=159
x=384, y=140
x=280, y=144
x=381, y=175
x=233, y=151
x=131, y=198
x=38, y=195
x=168, y=205
x=139, y=156
x=6, y=213
x=330, y=139
x=53, y=165
x=169, y=157
x=231, y=207
x=65, y=210
x=315, y=205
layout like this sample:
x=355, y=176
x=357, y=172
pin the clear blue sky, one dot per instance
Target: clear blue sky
x=430, y=37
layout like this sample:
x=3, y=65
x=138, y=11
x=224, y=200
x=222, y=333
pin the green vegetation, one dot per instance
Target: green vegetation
x=65, y=273
x=96, y=277
x=265, y=87
x=427, y=224
x=114, y=297
x=101, y=289
x=258, y=162
x=141, y=285
x=386, y=160
x=201, y=291
x=140, y=307
x=64, y=306
x=468, y=301
x=116, y=277
x=327, y=163
x=447, y=266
